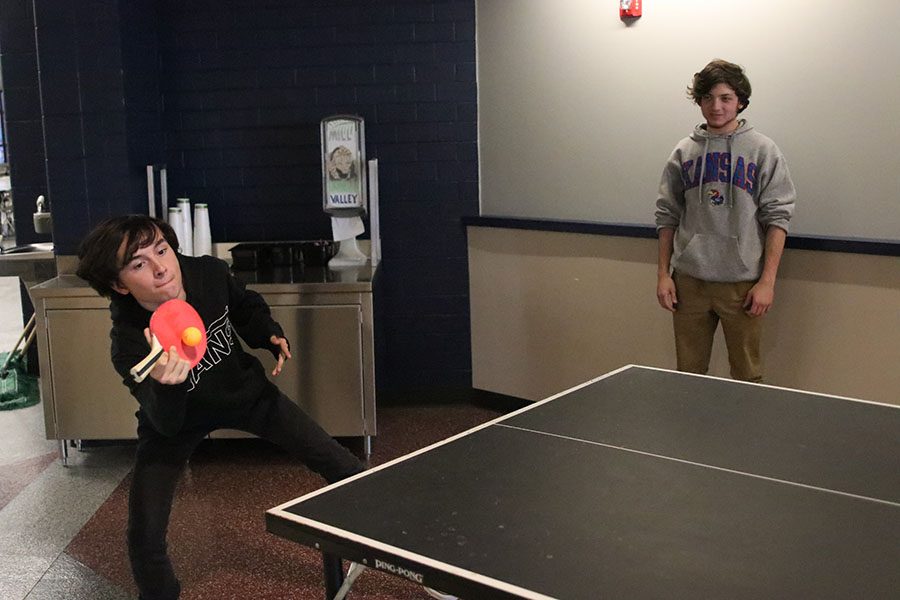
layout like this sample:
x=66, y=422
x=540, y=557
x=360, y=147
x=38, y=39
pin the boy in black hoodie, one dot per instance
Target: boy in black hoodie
x=133, y=261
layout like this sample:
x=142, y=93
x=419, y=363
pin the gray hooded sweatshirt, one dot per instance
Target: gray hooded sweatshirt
x=720, y=228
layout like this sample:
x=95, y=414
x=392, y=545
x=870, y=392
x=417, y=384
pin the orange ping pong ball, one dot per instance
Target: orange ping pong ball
x=191, y=336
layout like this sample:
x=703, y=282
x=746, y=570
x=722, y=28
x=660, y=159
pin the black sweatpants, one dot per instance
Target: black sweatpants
x=160, y=460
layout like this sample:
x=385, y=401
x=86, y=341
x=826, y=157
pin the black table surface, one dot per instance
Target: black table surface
x=642, y=484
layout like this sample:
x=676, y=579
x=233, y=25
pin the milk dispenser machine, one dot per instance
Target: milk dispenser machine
x=344, y=185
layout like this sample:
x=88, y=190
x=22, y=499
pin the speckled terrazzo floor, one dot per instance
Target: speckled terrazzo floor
x=217, y=533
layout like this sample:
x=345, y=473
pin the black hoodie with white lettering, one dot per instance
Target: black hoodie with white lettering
x=228, y=380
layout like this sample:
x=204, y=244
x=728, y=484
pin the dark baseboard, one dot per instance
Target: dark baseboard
x=450, y=395
x=497, y=401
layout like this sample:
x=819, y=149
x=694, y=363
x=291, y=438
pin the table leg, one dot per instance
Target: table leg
x=334, y=574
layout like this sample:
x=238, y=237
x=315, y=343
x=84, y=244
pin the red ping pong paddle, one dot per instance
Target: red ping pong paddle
x=174, y=323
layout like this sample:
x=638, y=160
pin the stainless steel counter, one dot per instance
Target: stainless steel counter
x=310, y=279
x=275, y=280
x=32, y=263
x=328, y=311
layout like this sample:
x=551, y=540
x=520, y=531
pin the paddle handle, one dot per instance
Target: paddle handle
x=140, y=371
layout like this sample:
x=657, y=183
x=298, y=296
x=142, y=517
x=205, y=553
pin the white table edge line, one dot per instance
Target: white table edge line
x=408, y=555
x=708, y=466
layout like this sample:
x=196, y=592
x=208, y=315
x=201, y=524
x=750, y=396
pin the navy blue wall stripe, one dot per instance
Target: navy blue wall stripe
x=799, y=242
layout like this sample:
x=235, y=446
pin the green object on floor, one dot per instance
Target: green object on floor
x=18, y=389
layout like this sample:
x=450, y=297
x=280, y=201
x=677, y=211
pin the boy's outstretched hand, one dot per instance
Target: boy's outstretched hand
x=284, y=352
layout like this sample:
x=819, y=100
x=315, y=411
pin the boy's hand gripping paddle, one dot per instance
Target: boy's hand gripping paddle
x=174, y=323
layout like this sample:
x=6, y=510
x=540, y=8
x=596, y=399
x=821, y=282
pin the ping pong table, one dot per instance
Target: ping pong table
x=642, y=483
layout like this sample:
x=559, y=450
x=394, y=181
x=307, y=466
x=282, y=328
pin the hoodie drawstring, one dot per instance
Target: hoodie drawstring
x=702, y=170
x=729, y=195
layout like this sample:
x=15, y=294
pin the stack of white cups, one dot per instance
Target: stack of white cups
x=176, y=221
x=202, y=237
x=187, y=243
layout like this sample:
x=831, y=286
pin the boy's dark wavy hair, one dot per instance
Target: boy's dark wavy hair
x=98, y=253
x=721, y=71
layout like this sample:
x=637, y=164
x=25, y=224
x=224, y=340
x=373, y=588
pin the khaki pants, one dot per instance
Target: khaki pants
x=701, y=305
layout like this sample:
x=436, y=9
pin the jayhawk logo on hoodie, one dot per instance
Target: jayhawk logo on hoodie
x=715, y=197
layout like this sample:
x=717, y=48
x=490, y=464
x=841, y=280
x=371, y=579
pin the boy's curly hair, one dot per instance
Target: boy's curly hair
x=98, y=253
x=721, y=71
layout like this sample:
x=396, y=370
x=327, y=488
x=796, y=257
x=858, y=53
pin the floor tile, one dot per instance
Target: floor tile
x=67, y=578
x=14, y=477
x=22, y=434
x=42, y=519
x=19, y=573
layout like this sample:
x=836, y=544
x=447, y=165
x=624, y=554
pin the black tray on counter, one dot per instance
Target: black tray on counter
x=266, y=255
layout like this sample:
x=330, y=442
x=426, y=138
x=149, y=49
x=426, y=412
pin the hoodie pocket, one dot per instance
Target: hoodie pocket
x=712, y=257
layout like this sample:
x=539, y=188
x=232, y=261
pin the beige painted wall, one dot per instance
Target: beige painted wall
x=551, y=310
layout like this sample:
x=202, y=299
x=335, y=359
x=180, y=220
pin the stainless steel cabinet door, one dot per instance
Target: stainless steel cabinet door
x=89, y=400
x=325, y=376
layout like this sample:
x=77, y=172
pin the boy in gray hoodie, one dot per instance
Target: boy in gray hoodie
x=725, y=203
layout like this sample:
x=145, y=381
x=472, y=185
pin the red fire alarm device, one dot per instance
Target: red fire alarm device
x=629, y=9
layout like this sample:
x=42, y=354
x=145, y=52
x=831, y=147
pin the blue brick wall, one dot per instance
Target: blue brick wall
x=244, y=87
x=233, y=109
x=77, y=128
x=22, y=103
